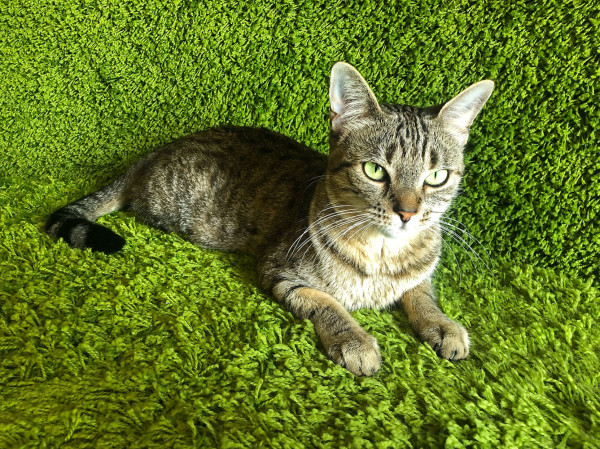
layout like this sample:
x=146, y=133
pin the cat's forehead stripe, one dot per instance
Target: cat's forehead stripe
x=422, y=141
x=391, y=149
x=433, y=158
x=409, y=140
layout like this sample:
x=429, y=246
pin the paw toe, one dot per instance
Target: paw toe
x=449, y=340
x=359, y=354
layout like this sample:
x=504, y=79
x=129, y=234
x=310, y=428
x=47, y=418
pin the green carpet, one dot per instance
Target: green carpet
x=167, y=345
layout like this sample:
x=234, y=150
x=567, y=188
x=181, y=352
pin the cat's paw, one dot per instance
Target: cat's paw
x=447, y=338
x=357, y=351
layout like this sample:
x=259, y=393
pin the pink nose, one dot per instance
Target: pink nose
x=405, y=216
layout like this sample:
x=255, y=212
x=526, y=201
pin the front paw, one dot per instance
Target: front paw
x=447, y=338
x=355, y=350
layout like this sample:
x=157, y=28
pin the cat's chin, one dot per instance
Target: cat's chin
x=397, y=232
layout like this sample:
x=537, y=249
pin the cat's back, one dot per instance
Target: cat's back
x=228, y=188
x=243, y=153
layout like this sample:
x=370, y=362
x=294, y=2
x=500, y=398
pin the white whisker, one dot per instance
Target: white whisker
x=462, y=242
x=314, y=180
x=336, y=238
x=317, y=221
x=455, y=258
x=466, y=231
x=338, y=223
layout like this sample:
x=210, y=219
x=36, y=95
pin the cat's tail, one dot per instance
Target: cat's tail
x=75, y=222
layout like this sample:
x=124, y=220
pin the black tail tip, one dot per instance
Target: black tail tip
x=103, y=239
x=81, y=233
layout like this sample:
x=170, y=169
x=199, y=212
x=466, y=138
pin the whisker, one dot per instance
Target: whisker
x=317, y=221
x=330, y=228
x=338, y=223
x=455, y=259
x=314, y=180
x=460, y=240
x=369, y=223
x=473, y=261
x=466, y=231
x=335, y=206
x=366, y=220
x=299, y=246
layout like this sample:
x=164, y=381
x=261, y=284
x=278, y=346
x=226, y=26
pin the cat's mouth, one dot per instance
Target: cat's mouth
x=390, y=233
x=398, y=230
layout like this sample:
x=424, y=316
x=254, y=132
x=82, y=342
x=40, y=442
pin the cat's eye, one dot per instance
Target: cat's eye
x=374, y=171
x=437, y=178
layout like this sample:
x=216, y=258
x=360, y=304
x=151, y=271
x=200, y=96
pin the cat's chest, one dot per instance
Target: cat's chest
x=357, y=292
x=377, y=281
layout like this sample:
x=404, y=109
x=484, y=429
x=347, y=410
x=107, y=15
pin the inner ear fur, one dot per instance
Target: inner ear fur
x=350, y=97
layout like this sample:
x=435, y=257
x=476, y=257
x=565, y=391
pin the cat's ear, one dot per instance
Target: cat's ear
x=458, y=114
x=350, y=97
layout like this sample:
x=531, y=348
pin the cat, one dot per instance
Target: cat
x=359, y=228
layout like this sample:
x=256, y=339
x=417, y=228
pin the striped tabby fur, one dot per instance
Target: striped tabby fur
x=327, y=237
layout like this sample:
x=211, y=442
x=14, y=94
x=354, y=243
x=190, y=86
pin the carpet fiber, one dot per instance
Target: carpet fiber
x=168, y=345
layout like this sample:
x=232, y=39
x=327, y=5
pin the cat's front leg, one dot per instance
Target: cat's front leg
x=345, y=342
x=447, y=338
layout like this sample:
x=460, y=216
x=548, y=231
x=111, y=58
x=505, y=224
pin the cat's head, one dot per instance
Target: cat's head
x=400, y=165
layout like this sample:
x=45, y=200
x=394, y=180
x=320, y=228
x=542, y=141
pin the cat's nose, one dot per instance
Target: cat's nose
x=405, y=214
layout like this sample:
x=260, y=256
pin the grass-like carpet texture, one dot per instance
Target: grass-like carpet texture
x=168, y=345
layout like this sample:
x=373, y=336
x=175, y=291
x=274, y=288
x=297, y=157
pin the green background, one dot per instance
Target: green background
x=168, y=345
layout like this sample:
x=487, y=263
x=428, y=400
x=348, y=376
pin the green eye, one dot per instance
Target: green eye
x=374, y=171
x=437, y=178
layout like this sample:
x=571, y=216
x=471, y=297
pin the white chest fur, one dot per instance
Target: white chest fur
x=375, y=273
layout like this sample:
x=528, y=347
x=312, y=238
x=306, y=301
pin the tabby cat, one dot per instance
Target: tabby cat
x=359, y=228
